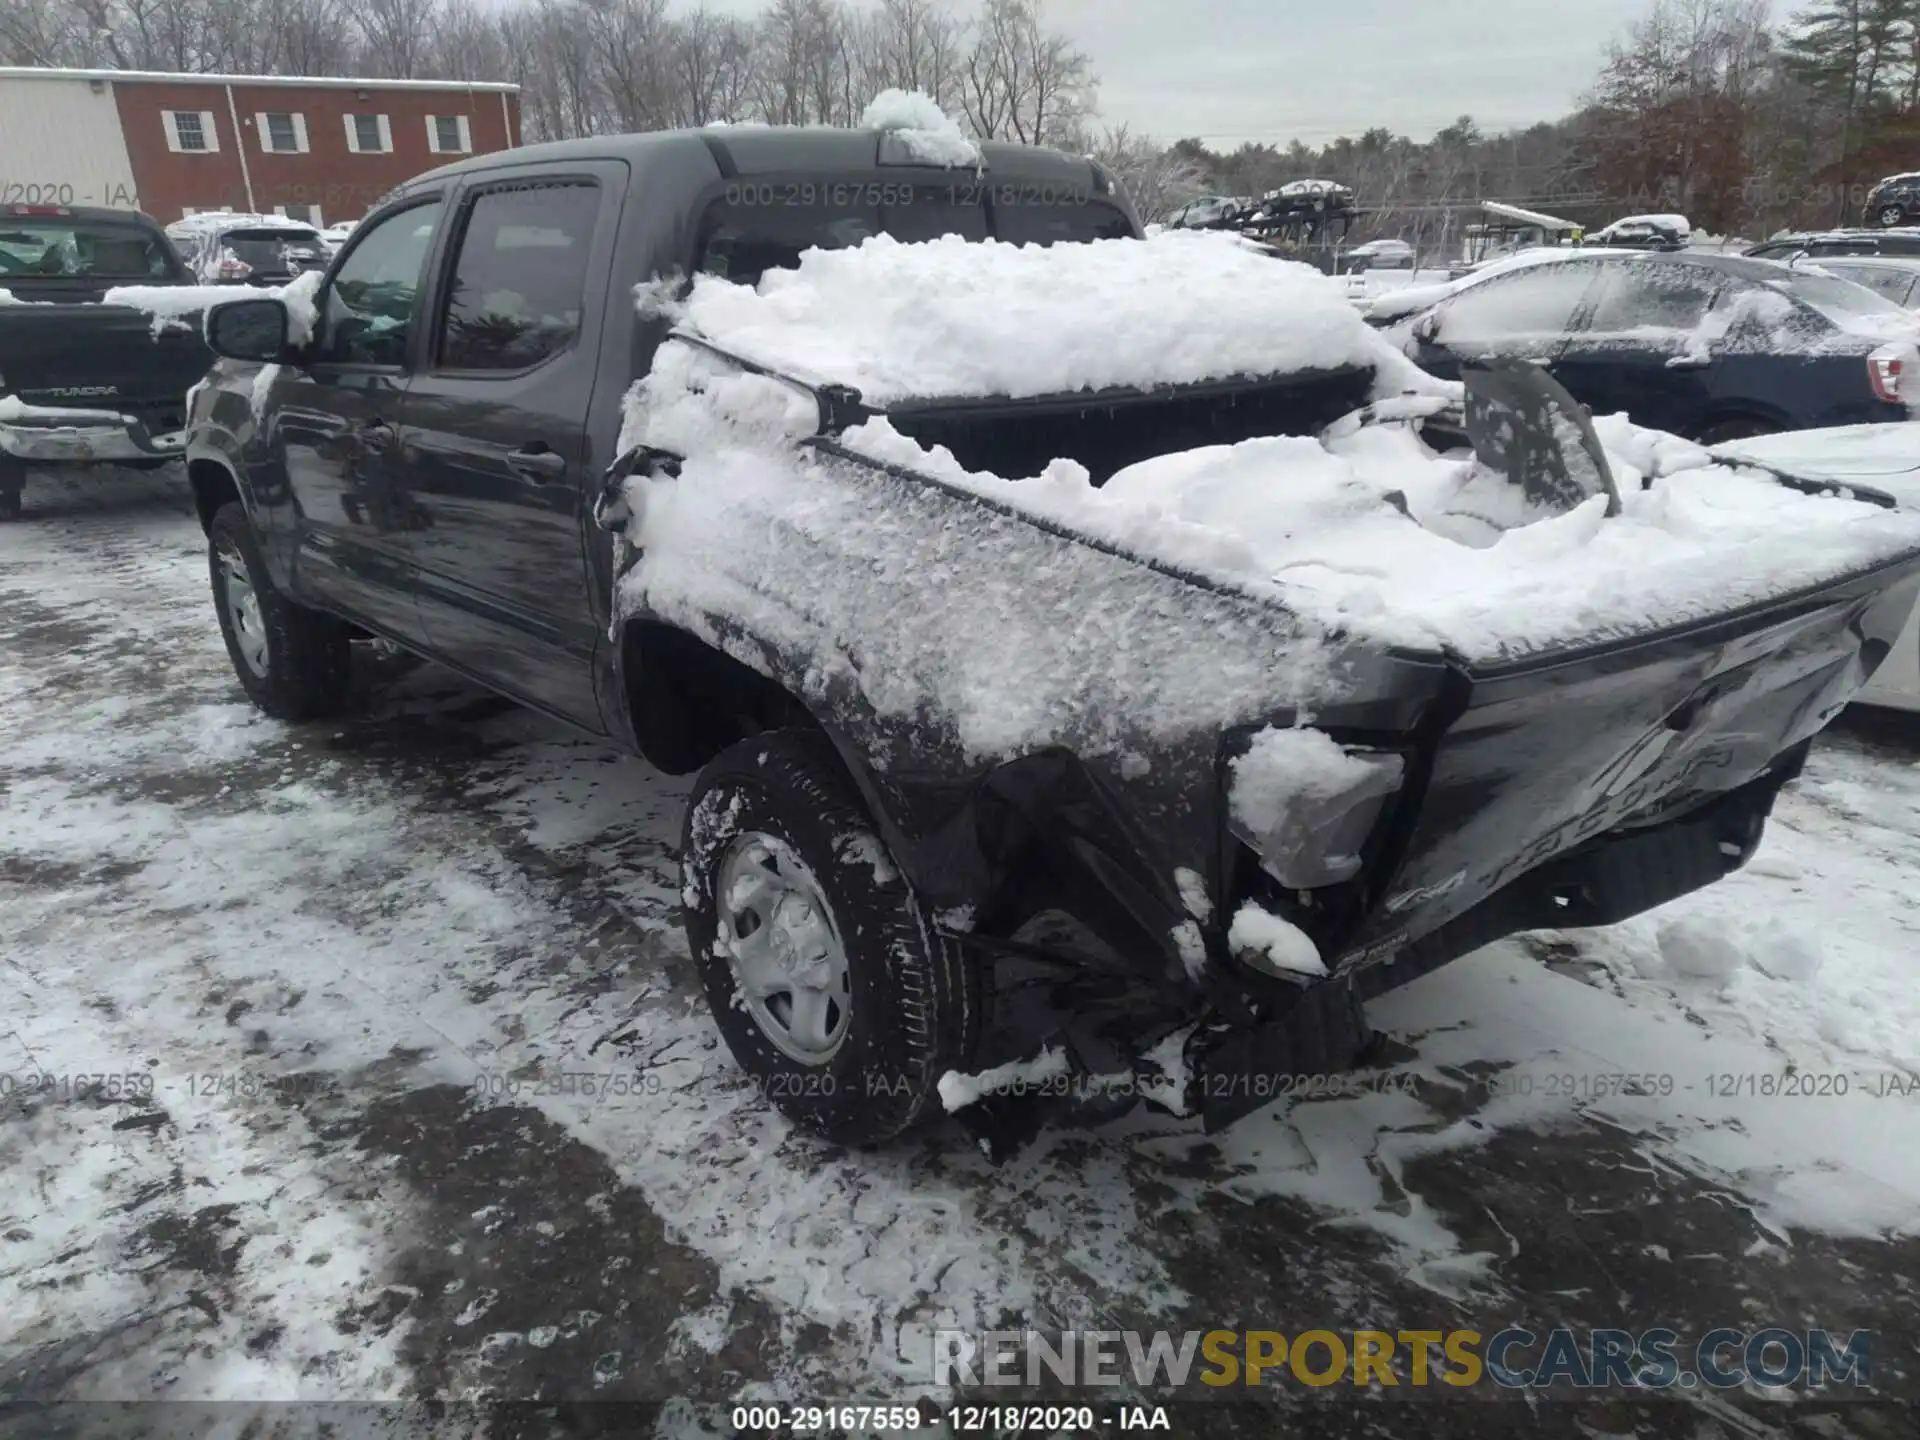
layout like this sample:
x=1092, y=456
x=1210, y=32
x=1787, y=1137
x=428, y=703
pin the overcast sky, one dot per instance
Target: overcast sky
x=1234, y=70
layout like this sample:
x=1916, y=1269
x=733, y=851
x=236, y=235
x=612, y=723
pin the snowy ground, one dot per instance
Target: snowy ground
x=351, y=967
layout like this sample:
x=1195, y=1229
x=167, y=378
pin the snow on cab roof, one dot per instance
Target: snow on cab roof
x=952, y=318
x=926, y=133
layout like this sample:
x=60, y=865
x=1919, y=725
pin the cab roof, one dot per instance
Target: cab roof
x=775, y=149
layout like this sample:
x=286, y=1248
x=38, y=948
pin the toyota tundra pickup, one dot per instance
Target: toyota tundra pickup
x=82, y=381
x=1106, y=662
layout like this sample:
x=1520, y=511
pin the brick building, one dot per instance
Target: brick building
x=323, y=149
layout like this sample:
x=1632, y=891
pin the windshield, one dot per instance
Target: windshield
x=765, y=225
x=1838, y=300
x=74, y=247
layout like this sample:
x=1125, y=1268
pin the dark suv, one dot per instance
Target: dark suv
x=1895, y=200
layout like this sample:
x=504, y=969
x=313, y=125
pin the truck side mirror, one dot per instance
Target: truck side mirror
x=1426, y=329
x=250, y=330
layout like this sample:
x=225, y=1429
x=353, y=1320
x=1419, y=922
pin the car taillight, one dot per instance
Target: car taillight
x=1894, y=373
x=38, y=210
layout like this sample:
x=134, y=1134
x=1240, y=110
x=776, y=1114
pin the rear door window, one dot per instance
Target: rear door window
x=520, y=275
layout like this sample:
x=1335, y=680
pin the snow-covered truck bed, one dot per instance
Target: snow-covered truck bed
x=1105, y=664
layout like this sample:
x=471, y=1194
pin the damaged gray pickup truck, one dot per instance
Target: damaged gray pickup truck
x=1106, y=663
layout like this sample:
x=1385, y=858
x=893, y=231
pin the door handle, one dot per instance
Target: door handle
x=540, y=465
x=1688, y=362
x=376, y=435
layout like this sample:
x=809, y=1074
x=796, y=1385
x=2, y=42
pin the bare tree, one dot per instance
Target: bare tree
x=631, y=48
x=914, y=45
x=396, y=35
x=713, y=68
x=1022, y=81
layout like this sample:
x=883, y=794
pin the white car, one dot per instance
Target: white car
x=338, y=234
x=1869, y=457
x=223, y=248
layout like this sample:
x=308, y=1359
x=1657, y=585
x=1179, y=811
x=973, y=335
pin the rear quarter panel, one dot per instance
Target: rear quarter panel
x=1798, y=392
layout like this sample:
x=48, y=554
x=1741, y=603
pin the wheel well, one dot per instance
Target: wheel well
x=1737, y=410
x=687, y=701
x=213, y=486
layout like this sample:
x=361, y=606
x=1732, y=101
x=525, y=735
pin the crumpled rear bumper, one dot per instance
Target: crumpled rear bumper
x=85, y=437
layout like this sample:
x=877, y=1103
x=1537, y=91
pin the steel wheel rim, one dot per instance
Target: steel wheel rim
x=783, y=947
x=243, y=610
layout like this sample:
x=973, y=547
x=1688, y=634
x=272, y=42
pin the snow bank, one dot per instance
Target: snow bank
x=929, y=134
x=957, y=318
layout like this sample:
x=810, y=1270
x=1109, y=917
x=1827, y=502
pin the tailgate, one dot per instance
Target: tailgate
x=98, y=357
x=1544, y=756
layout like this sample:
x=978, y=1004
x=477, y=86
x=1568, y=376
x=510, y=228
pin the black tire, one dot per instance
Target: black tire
x=11, y=506
x=913, y=1000
x=305, y=664
x=1887, y=216
x=1740, y=427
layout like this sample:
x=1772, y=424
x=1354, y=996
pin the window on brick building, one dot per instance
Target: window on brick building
x=190, y=132
x=369, y=134
x=449, y=135
x=282, y=133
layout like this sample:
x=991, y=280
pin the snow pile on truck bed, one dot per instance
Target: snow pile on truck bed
x=952, y=318
x=1468, y=568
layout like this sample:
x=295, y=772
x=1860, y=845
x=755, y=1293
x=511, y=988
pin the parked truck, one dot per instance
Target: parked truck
x=81, y=381
x=1103, y=667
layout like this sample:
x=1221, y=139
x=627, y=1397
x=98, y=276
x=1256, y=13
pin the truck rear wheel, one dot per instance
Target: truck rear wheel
x=294, y=663
x=824, y=973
